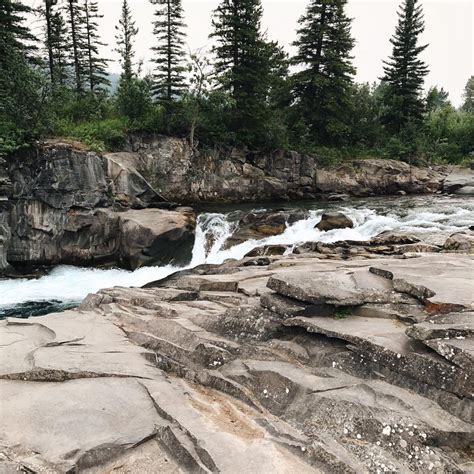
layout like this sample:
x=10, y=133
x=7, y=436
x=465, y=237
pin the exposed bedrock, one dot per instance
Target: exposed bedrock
x=69, y=205
x=303, y=364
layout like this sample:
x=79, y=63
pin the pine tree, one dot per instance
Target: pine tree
x=243, y=67
x=60, y=50
x=96, y=66
x=169, y=74
x=76, y=24
x=322, y=87
x=468, y=96
x=405, y=71
x=55, y=43
x=21, y=85
x=48, y=15
x=126, y=32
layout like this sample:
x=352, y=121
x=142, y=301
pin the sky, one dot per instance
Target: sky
x=449, y=33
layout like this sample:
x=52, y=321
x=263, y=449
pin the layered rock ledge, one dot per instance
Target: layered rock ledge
x=301, y=363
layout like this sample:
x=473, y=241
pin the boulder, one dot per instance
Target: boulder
x=156, y=237
x=334, y=220
x=460, y=180
x=42, y=235
x=460, y=242
x=260, y=224
x=267, y=251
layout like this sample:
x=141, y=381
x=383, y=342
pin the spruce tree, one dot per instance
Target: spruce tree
x=21, y=85
x=126, y=32
x=60, y=50
x=55, y=43
x=468, y=96
x=48, y=15
x=76, y=24
x=243, y=67
x=96, y=66
x=169, y=74
x=404, y=72
x=322, y=86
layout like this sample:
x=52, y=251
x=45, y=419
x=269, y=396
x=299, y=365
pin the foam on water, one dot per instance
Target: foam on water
x=72, y=284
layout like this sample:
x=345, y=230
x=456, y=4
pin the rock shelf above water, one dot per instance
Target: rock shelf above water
x=302, y=364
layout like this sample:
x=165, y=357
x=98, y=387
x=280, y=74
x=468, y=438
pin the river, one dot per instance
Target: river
x=435, y=217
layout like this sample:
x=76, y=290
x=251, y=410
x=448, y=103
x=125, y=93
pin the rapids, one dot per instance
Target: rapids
x=433, y=216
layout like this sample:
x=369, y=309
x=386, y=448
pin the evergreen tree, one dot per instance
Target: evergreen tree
x=59, y=49
x=96, y=66
x=76, y=24
x=48, y=15
x=243, y=67
x=21, y=85
x=322, y=87
x=55, y=43
x=169, y=74
x=405, y=71
x=437, y=98
x=468, y=96
x=126, y=32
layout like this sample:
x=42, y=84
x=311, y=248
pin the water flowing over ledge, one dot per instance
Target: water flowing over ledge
x=427, y=215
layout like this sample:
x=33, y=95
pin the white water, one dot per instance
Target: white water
x=72, y=284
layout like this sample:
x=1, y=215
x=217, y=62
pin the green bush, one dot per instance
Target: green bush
x=100, y=135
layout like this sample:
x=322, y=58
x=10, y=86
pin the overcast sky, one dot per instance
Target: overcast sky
x=449, y=32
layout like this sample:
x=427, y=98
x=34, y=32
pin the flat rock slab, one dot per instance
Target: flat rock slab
x=344, y=288
x=450, y=279
x=69, y=345
x=69, y=422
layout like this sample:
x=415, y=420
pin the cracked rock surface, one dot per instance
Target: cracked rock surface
x=302, y=363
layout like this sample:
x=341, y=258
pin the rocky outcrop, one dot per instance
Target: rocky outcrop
x=460, y=181
x=70, y=205
x=178, y=173
x=377, y=177
x=302, y=364
x=334, y=220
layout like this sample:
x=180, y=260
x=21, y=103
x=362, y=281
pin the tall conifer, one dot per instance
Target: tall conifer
x=405, y=71
x=169, y=73
x=126, y=32
x=244, y=62
x=95, y=65
x=322, y=86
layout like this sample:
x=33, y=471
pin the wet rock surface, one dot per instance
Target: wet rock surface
x=304, y=364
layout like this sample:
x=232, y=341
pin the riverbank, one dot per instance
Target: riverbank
x=311, y=362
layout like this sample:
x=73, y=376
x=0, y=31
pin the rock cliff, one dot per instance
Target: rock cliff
x=302, y=363
x=70, y=205
x=235, y=176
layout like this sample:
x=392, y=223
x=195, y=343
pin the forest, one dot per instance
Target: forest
x=246, y=92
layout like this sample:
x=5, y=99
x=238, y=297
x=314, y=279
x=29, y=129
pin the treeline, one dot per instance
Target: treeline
x=245, y=92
